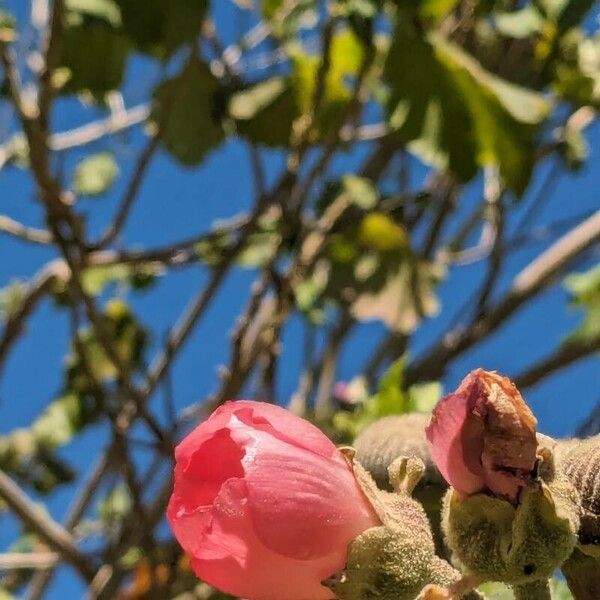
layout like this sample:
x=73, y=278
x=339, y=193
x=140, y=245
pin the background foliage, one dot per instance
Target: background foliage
x=340, y=206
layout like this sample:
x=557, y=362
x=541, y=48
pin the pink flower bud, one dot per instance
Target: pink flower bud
x=482, y=437
x=264, y=503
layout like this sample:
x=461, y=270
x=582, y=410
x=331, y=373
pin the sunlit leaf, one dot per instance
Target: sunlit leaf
x=585, y=295
x=266, y=111
x=95, y=174
x=106, y=10
x=361, y=191
x=456, y=115
x=407, y=296
x=520, y=23
x=380, y=232
x=424, y=396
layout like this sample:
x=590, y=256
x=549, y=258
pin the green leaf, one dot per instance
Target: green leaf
x=95, y=174
x=407, y=296
x=436, y=9
x=496, y=591
x=93, y=55
x=7, y=25
x=519, y=24
x=115, y=506
x=158, y=28
x=424, y=396
x=391, y=399
x=585, y=295
x=27, y=453
x=456, y=115
x=266, y=111
x=285, y=18
x=379, y=232
x=106, y=10
x=361, y=191
x=184, y=109
x=575, y=149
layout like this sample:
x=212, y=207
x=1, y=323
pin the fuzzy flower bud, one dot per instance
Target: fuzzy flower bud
x=264, y=504
x=482, y=437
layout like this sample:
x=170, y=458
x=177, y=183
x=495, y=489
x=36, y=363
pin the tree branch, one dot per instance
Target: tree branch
x=48, y=530
x=534, y=278
x=28, y=234
x=567, y=354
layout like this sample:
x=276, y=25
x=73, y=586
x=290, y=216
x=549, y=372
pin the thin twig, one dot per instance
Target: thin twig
x=534, y=278
x=567, y=354
x=27, y=234
x=47, y=529
x=28, y=560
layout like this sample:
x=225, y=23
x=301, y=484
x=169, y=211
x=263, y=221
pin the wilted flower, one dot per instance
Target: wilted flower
x=483, y=436
x=264, y=503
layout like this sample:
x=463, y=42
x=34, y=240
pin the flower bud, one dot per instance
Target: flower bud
x=482, y=437
x=395, y=560
x=264, y=504
x=498, y=541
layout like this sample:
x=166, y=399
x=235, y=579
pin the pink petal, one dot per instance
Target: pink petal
x=232, y=558
x=303, y=505
x=283, y=425
x=198, y=480
x=457, y=463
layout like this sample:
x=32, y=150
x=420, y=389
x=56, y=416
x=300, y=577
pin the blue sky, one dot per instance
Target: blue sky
x=176, y=202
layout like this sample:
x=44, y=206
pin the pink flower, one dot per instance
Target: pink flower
x=482, y=436
x=264, y=503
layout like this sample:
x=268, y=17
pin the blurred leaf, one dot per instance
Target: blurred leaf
x=158, y=28
x=407, y=296
x=100, y=68
x=424, y=396
x=391, y=398
x=115, y=506
x=456, y=115
x=266, y=111
x=7, y=25
x=378, y=231
x=585, y=294
x=259, y=249
x=436, y=9
x=285, y=18
x=106, y=10
x=361, y=191
x=95, y=174
x=575, y=149
x=184, y=109
x=26, y=453
x=520, y=23
x=11, y=298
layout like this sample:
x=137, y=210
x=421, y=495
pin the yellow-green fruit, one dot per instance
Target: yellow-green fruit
x=500, y=542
